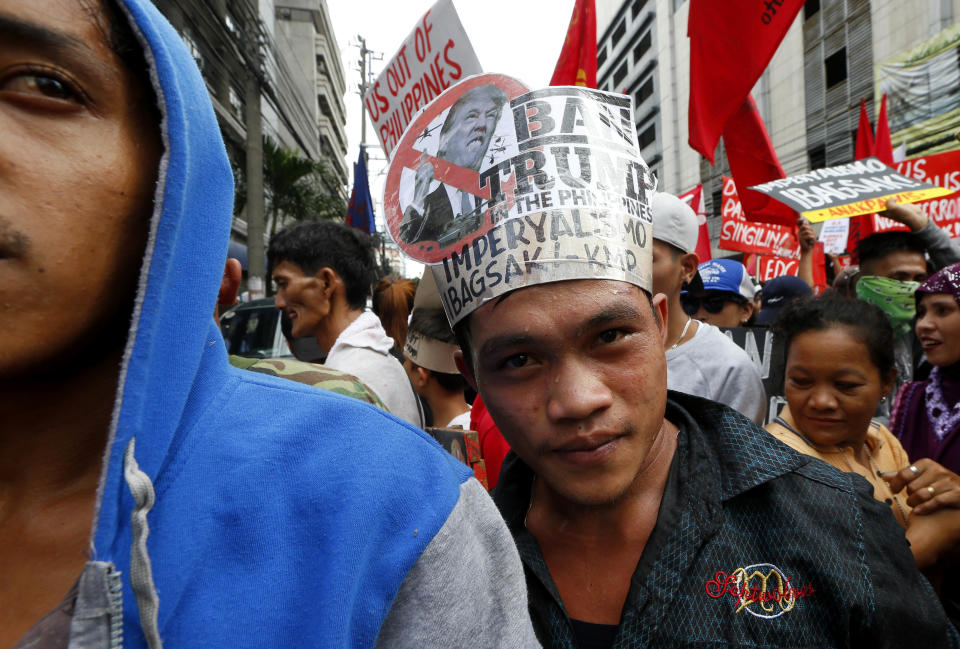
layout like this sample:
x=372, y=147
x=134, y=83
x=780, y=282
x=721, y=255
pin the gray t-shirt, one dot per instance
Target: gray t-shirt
x=710, y=365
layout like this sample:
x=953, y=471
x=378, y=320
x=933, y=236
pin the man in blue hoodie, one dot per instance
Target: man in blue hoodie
x=150, y=493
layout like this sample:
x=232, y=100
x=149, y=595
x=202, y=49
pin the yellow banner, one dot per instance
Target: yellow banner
x=873, y=205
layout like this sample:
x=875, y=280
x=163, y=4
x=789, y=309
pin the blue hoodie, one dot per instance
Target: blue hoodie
x=241, y=510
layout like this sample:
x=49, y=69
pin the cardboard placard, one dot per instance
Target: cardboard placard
x=770, y=359
x=834, y=236
x=860, y=187
x=739, y=234
x=436, y=55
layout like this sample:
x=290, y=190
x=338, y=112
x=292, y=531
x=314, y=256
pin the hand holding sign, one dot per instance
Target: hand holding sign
x=806, y=235
x=910, y=215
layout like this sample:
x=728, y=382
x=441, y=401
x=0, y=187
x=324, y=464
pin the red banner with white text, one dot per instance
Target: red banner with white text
x=739, y=234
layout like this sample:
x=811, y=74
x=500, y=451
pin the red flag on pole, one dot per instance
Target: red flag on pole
x=864, y=134
x=882, y=147
x=577, y=65
x=753, y=162
x=694, y=198
x=730, y=46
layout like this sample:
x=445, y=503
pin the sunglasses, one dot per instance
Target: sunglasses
x=711, y=303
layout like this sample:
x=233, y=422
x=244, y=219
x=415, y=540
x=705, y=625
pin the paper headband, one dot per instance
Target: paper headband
x=498, y=188
x=430, y=353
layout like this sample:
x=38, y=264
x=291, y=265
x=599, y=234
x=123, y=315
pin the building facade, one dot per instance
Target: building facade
x=836, y=53
x=283, y=56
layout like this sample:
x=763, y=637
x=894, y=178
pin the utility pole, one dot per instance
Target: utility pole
x=251, y=50
x=366, y=74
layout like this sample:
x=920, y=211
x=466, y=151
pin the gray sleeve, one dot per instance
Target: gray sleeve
x=467, y=589
x=743, y=391
x=941, y=248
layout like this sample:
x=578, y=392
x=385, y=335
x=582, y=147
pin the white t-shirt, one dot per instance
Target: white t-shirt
x=712, y=366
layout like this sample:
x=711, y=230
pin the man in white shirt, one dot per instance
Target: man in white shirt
x=701, y=360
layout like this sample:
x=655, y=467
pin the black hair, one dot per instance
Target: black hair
x=879, y=245
x=431, y=323
x=114, y=25
x=868, y=323
x=327, y=244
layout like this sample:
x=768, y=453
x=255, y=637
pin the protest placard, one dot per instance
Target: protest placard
x=436, y=55
x=860, y=187
x=834, y=234
x=943, y=170
x=488, y=151
x=768, y=356
x=739, y=234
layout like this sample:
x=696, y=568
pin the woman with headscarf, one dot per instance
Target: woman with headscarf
x=926, y=414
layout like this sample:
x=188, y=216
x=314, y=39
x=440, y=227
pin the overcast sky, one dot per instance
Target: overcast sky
x=521, y=38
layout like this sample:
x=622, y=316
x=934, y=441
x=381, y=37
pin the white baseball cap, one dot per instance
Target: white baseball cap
x=674, y=222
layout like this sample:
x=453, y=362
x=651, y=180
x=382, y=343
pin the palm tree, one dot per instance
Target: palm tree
x=297, y=187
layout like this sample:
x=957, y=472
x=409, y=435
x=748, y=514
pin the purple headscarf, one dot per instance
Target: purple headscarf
x=946, y=280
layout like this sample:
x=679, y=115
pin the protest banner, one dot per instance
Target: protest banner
x=943, y=170
x=436, y=55
x=457, y=174
x=741, y=235
x=769, y=267
x=769, y=358
x=860, y=187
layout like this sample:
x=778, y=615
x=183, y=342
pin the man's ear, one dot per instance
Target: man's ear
x=689, y=263
x=659, y=303
x=746, y=310
x=421, y=376
x=229, y=284
x=465, y=369
x=329, y=280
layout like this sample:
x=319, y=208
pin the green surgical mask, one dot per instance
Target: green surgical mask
x=893, y=296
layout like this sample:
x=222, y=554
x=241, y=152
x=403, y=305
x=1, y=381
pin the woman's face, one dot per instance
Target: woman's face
x=832, y=386
x=938, y=328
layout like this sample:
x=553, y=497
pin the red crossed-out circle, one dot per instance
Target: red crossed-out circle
x=407, y=157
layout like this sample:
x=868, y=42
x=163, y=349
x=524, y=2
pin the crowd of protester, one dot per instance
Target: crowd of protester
x=154, y=491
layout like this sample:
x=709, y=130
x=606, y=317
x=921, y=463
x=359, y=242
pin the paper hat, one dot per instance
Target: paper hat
x=431, y=353
x=560, y=191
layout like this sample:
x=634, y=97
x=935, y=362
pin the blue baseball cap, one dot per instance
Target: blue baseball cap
x=726, y=275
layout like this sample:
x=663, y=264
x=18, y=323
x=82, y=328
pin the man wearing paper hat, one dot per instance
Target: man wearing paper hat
x=701, y=360
x=648, y=518
x=429, y=359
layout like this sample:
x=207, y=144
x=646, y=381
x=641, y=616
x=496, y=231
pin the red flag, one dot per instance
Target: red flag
x=864, y=134
x=694, y=198
x=753, y=162
x=577, y=65
x=883, y=149
x=730, y=46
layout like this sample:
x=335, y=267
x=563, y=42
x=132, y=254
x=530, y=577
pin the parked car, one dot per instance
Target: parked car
x=255, y=330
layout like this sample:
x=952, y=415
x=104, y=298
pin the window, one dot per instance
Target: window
x=810, y=8
x=648, y=137
x=818, y=156
x=601, y=57
x=636, y=7
x=191, y=43
x=836, y=67
x=236, y=103
x=717, y=208
x=620, y=74
x=644, y=92
x=641, y=47
x=619, y=32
